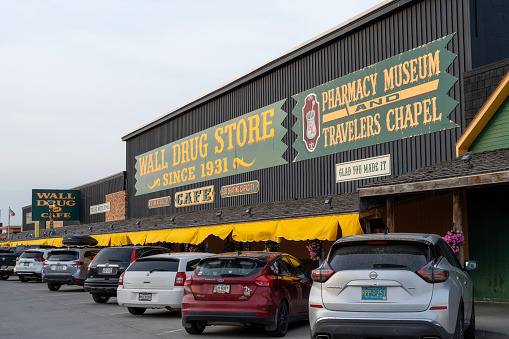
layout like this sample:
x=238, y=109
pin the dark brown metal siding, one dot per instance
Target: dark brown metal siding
x=411, y=26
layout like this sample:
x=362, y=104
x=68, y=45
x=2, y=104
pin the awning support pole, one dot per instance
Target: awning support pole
x=457, y=217
x=390, y=213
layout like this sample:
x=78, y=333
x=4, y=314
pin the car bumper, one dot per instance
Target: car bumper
x=160, y=298
x=108, y=287
x=225, y=317
x=62, y=279
x=28, y=274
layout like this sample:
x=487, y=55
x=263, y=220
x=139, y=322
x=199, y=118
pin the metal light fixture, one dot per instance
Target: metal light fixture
x=328, y=201
x=248, y=210
x=90, y=229
x=468, y=156
x=138, y=223
x=172, y=219
x=218, y=214
x=111, y=226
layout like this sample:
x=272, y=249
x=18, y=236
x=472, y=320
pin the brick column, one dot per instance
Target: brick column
x=118, y=206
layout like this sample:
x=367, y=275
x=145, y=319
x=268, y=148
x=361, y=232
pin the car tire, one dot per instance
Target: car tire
x=136, y=310
x=5, y=276
x=196, y=328
x=100, y=298
x=22, y=279
x=281, y=321
x=53, y=287
x=458, y=332
x=470, y=332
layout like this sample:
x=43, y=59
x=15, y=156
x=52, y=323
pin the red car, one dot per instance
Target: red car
x=250, y=288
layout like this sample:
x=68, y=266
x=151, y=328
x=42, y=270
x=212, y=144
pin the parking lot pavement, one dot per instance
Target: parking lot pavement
x=30, y=309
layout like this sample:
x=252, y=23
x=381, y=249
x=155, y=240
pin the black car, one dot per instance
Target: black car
x=109, y=264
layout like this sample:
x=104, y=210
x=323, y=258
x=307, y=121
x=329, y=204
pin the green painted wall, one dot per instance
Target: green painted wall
x=488, y=236
x=495, y=134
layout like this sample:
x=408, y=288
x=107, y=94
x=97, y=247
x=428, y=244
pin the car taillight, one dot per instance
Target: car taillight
x=265, y=280
x=121, y=279
x=44, y=263
x=90, y=265
x=433, y=274
x=39, y=259
x=322, y=273
x=77, y=263
x=187, y=285
x=133, y=256
x=180, y=278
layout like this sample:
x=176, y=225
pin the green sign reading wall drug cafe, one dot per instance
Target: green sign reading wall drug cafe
x=66, y=204
x=397, y=98
x=247, y=143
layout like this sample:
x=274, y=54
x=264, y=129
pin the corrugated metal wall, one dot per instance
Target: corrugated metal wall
x=94, y=193
x=413, y=25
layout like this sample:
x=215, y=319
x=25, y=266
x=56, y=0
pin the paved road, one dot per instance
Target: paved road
x=31, y=310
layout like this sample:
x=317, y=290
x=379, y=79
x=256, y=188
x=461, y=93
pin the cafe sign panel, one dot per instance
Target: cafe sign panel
x=197, y=196
x=244, y=144
x=66, y=202
x=401, y=97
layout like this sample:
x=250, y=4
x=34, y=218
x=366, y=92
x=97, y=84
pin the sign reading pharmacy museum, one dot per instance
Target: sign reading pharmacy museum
x=397, y=98
x=244, y=144
x=66, y=202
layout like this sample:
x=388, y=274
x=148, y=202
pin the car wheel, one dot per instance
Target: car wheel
x=281, y=321
x=470, y=332
x=100, y=298
x=22, y=279
x=458, y=332
x=53, y=287
x=196, y=328
x=136, y=310
x=5, y=276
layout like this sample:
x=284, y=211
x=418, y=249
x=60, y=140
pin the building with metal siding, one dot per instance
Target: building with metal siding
x=392, y=28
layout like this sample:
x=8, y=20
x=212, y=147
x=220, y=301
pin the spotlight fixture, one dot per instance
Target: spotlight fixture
x=468, y=156
x=328, y=201
x=248, y=210
x=138, y=223
x=111, y=226
x=172, y=219
x=219, y=213
x=90, y=229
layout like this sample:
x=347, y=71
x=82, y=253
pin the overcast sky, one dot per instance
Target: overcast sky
x=75, y=76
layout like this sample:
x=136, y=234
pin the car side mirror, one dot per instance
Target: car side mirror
x=470, y=265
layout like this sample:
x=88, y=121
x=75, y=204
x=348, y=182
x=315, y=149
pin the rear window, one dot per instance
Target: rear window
x=228, y=267
x=114, y=255
x=390, y=256
x=31, y=255
x=151, y=265
x=63, y=255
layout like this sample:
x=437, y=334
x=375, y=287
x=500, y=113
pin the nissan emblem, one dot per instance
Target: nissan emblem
x=373, y=275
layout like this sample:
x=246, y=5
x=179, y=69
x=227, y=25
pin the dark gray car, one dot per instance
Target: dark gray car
x=67, y=266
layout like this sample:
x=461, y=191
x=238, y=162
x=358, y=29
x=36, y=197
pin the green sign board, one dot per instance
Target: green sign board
x=244, y=144
x=66, y=205
x=397, y=98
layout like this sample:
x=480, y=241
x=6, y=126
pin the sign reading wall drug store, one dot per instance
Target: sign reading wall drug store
x=363, y=169
x=397, y=98
x=244, y=144
x=66, y=202
x=242, y=188
x=159, y=202
x=197, y=196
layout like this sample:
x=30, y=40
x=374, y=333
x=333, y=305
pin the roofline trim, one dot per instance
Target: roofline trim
x=342, y=29
x=482, y=118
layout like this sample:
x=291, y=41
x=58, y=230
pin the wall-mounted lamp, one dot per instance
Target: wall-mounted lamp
x=111, y=226
x=328, y=201
x=248, y=210
x=90, y=229
x=138, y=223
x=218, y=214
x=172, y=219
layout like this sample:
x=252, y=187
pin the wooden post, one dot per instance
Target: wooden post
x=390, y=213
x=457, y=217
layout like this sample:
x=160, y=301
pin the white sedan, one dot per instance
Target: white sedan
x=156, y=281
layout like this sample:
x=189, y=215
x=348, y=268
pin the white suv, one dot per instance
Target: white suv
x=392, y=285
x=156, y=281
x=30, y=263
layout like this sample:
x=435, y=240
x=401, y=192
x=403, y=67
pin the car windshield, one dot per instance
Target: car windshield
x=114, y=254
x=31, y=255
x=152, y=265
x=63, y=256
x=379, y=256
x=228, y=267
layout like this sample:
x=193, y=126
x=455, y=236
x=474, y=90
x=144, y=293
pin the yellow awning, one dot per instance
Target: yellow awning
x=138, y=237
x=350, y=225
x=102, y=239
x=156, y=236
x=322, y=228
x=221, y=231
x=255, y=231
x=184, y=235
x=120, y=239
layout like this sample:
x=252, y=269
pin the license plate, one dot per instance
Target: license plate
x=3, y=267
x=60, y=268
x=26, y=264
x=107, y=270
x=145, y=297
x=221, y=289
x=374, y=293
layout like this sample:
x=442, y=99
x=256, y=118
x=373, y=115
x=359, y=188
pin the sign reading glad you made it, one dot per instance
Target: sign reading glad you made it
x=247, y=143
x=397, y=98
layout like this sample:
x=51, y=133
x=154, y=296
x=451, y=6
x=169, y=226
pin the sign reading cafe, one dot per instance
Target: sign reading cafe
x=247, y=143
x=397, y=98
